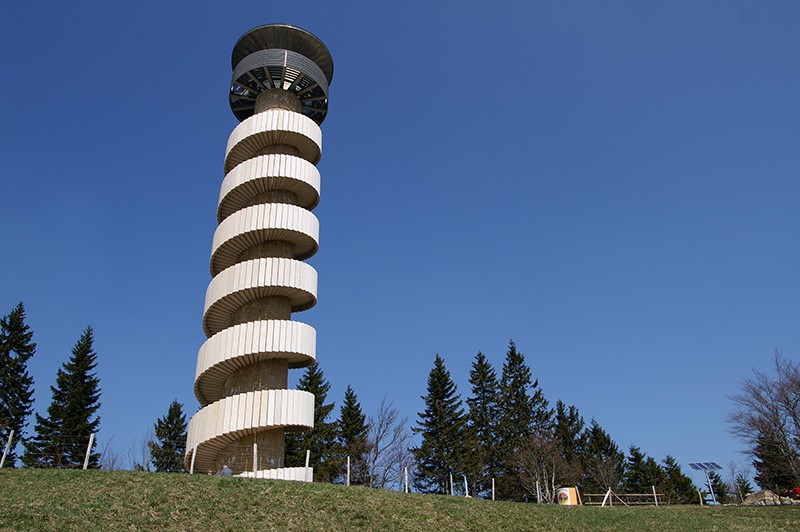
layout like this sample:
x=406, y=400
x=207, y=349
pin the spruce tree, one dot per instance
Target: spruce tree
x=169, y=447
x=16, y=384
x=767, y=419
x=352, y=438
x=321, y=440
x=568, y=433
x=523, y=411
x=61, y=438
x=441, y=426
x=678, y=488
x=742, y=484
x=642, y=472
x=568, y=430
x=772, y=462
x=482, y=420
x=603, y=461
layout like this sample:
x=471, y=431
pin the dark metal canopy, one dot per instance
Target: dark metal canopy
x=284, y=37
x=280, y=56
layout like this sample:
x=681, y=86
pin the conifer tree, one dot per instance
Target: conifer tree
x=569, y=429
x=523, y=411
x=169, y=447
x=721, y=489
x=352, y=437
x=678, y=488
x=441, y=452
x=773, y=464
x=767, y=419
x=482, y=419
x=16, y=384
x=642, y=472
x=61, y=438
x=568, y=434
x=603, y=461
x=742, y=484
x=523, y=408
x=321, y=440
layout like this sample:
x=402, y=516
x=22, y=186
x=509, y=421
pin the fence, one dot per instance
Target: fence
x=626, y=499
x=246, y=461
x=62, y=452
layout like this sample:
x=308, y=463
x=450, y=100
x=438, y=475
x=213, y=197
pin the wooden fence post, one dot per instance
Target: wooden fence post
x=194, y=455
x=88, y=451
x=8, y=448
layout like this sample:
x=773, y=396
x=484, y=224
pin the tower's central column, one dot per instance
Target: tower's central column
x=279, y=92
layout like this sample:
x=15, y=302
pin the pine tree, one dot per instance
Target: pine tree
x=321, y=440
x=441, y=425
x=169, y=447
x=603, y=462
x=642, y=472
x=678, y=488
x=61, y=438
x=523, y=412
x=16, y=384
x=352, y=437
x=482, y=420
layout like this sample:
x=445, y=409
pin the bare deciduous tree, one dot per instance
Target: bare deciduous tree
x=110, y=458
x=388, y=441
x=767, y=419
x=542, y=467
x=140, y=452
x=736, y=472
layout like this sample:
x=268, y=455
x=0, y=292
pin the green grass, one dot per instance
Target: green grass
x=119, y=500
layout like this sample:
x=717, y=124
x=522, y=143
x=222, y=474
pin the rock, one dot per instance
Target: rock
x=767, y=498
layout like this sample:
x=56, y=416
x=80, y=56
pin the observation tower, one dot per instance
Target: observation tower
x=279, y=93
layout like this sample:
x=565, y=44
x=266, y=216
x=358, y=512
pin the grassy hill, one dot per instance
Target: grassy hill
x=119, y=500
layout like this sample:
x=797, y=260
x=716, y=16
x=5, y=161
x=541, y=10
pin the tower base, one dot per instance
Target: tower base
x=299, y=474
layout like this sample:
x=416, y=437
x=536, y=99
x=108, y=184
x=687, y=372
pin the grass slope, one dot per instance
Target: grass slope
x=98, y=500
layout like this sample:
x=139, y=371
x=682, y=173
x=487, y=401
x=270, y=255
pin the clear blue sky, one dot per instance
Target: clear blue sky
x=614, y=185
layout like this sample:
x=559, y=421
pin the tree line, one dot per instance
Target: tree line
x=509, y=433
x=61, y=436
x=505, y=431
x=377, y=445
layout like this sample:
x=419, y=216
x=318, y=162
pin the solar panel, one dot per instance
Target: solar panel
x=705, y=466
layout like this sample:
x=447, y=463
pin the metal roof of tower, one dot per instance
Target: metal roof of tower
x=284, y=37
